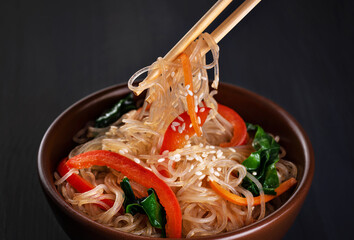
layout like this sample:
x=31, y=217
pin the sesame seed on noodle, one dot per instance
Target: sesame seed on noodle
x=175, y=124
x=202, y=177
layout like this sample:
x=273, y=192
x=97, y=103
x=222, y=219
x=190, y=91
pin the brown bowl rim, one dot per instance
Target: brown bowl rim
x=299, y=193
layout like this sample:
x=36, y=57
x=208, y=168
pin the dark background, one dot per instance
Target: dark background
x=298, y=53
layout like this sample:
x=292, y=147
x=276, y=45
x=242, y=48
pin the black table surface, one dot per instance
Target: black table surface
x=298, y=53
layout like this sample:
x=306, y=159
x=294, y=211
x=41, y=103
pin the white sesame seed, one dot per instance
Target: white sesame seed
x=201, y=145
x=175, y=124
x=199, y=75
x=196, y=108
x=199, y=120
x=213, y=158
x=121, y=152
x=181, y=119
x=161, y=160
x=211, y=170
x=190, y=125
x=177, y=157
x=192, y=166
x=199, y=184
x=204, y=154
x=198, y=158
x=186, y=137
x=202, y=110
x=173, y=74
x=219, y=169
x=180, y=129
x=188, y=157
x=137, y=160
x=173, y=128
x=190, y=92
x=217, y=174
x=232, y=150
x=199, y=173
x=212, y=147
x=188, y=86
x=165, y=152
x=212, y=151
x=171, y=157
x=201, y=177
x=204, y=78
x=207, y=147
x=219, y=154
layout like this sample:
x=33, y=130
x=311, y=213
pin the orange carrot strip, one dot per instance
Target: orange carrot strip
x=188, y=81
x=283, y=187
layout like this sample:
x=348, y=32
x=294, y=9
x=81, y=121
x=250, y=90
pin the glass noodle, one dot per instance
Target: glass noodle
x=139, y=134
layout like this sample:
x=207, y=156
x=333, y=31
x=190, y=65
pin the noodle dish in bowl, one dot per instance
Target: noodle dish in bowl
x=178, y=165
x=176, y=153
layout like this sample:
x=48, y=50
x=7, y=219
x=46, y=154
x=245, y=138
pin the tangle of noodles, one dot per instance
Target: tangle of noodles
x=138, y=135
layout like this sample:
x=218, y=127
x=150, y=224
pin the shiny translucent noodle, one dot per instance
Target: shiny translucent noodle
x=138, y=135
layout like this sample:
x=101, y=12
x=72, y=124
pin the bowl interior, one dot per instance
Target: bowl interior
x=58, y=142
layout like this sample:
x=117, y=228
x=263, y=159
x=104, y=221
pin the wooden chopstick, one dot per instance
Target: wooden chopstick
x=197, y=29
x=201, y=25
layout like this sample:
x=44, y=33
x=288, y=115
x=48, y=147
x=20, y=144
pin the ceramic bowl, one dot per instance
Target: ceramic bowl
x=57, y=142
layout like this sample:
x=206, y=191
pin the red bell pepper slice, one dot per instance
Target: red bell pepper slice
x=240, y=131
x=80, y=184
x=140, y=175
x=174, y=136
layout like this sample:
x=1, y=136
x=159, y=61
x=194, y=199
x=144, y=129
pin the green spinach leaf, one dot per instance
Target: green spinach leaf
x=124, y=105
x=154, y=210
x=149, y=205
x=130, y=204
x=261, y=163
